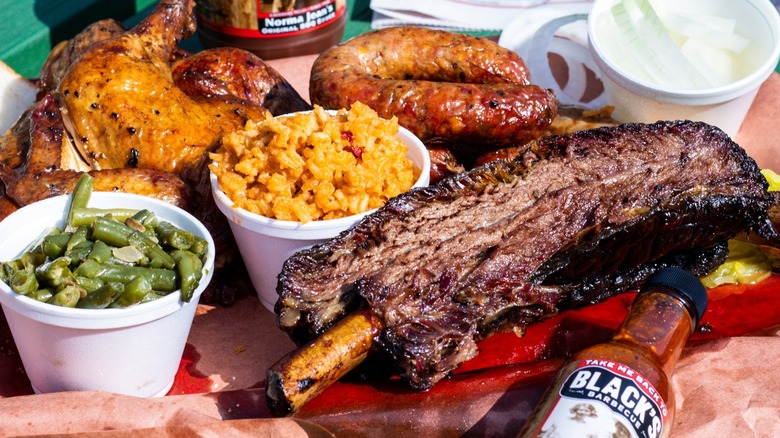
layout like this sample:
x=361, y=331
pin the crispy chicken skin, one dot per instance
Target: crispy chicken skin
x=121, y=99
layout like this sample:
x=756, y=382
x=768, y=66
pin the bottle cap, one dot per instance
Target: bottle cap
x=686, y=284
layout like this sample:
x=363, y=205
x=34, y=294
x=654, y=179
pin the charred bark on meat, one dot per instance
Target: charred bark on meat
x=572, y=220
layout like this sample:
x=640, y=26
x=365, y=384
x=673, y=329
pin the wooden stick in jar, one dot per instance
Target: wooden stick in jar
x=306, y=372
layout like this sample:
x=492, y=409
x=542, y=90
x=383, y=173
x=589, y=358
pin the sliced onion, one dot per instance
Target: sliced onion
x=718, y=32
x=717, y=65
x=649, y=47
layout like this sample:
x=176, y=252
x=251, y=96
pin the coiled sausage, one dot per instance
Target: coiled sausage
x=442, y=86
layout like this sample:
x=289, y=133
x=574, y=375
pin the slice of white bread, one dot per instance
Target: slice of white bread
x=16, y=95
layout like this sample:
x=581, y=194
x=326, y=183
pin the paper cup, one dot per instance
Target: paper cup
x=133, y=351
x=266, y=243
x=636, y=100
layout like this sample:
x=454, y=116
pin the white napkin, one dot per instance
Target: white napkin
x=16, y=94
x=471, y=15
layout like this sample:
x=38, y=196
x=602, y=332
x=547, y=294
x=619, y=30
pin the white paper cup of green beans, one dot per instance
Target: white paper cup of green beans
x=116, y=318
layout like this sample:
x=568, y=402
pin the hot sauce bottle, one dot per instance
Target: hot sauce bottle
x=621, y=388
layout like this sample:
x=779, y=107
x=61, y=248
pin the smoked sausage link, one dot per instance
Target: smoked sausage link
x=442, y=86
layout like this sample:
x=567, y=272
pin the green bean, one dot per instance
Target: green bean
x=199, y=247
x=161, y=279
x=147, y=218
x=157, y=256
x=43, y=295
x=73, y=285
x=77, y=237
x=88, y=284
x=84, y=244
x=152, y=296
x=54, y=272
x=7, y=270
x=190, y=270
x=13, y=265
x=110, y=232
x=173, y=236
x=24, y=282
x=54, y=245
x=103, y=297
x=118, y=234
x=67, y=297
x=81, y=194
x=134, y=292
x=32, y=259
x=158, y=260
x=80, y=252
x=88, y=268
x=86, y=215
x=101, y=252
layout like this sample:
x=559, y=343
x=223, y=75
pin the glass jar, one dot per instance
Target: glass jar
x=272, y=29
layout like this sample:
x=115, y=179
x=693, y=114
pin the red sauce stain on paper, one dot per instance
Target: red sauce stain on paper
x=188, y=379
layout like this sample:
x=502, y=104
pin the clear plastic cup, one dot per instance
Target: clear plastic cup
x=637, y=100
x=133, y=351
x=265, y=243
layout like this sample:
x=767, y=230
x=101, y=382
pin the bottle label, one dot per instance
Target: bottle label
x=609, y=399
x=269, y=19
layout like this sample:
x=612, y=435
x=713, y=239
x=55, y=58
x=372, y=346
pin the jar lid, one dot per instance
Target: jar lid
x=686, y=284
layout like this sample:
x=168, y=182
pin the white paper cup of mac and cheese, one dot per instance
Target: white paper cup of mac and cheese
x=266, y=242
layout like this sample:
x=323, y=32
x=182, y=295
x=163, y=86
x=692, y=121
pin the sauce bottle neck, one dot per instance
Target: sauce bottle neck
x=660, y=322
